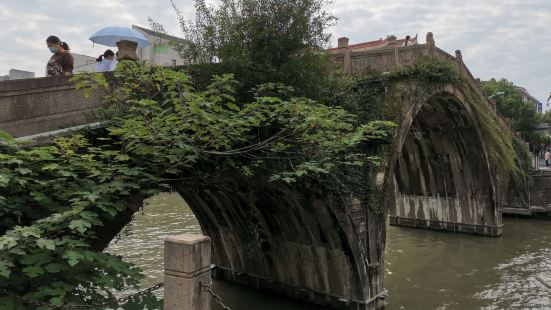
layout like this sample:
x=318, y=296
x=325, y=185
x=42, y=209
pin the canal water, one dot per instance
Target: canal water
x=424, y=269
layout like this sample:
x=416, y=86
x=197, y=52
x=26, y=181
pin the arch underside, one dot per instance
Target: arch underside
x=441, y=174
x=294, y=241
x=300, y=243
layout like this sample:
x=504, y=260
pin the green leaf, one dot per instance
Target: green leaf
x=7, y=242
x=33, y=271
x=53, y=268
x=73, y=257
x=56, y=301
x=5, y=268
x=52, y=166
x=36, y=259
x=30, y=231
x=23, y=171
x=6, y=136
x=4, y=180
x=45, y=244
x=80, y=225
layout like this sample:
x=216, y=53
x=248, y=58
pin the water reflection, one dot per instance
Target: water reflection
x=424, y=269
x=432, y=270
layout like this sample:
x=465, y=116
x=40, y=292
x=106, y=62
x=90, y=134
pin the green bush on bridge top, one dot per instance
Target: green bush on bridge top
x=53, y=199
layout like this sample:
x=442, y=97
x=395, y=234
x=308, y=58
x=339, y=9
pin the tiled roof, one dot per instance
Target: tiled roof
x=371, y=44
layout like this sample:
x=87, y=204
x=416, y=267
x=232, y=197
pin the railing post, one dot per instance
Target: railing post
x=459, y=60
x=431, y=44
x=187, y=272
x=127, y=50
x=393, y=43
x=343, y=45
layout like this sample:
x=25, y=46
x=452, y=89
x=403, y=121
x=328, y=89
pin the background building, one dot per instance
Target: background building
x=160, y=52
x=84, y=63
x=527, y=98
x=15, y=74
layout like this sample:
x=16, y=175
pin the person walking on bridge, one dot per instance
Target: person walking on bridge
x=61, y=62
x=547, y=158
x=104, y=61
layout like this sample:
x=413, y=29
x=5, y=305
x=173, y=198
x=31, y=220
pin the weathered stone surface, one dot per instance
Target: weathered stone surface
x=32, y=106
x=187, y=273
x=299, y=241
x=442, y=178
x=540, y=191
x=127, y=50
x=442, y=173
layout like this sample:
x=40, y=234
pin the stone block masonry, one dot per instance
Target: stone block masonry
x=33, y=106
x=187, y=272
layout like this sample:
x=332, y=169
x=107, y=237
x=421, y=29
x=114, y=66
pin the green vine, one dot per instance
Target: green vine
x=380, y=96
x=159, y=131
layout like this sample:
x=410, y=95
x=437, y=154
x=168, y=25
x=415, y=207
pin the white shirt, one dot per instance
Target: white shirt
x=104, y=65
x=113, y=65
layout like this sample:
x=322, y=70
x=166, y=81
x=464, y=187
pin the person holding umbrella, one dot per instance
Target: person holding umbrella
x=61, y=62
x=114, y=62
x=126, y=39
x=104, y=61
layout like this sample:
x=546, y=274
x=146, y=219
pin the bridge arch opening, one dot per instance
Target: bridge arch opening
x=277, y=238
x=442, y=178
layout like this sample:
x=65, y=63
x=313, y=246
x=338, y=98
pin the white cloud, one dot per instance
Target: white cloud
x=498, y=38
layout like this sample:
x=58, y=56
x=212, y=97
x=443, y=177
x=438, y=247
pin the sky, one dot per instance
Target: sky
x=498, y=38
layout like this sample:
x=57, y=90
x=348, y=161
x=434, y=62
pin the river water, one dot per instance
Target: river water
x=424, y=269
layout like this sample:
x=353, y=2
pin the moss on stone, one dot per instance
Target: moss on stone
x=378, y=95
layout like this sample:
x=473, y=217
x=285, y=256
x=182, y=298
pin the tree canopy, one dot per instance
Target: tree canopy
x=508, y=97
x=265, y=41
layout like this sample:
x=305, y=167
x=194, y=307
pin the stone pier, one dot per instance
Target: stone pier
x=187, y=272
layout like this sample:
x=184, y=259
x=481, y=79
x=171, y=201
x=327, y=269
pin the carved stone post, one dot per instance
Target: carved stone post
x=187, y=272
x=127, y=50
x=343, y=46
x=391, y=42
x=459, y=59
x=431, y=44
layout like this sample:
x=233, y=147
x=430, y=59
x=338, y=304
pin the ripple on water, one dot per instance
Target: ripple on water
x=142, y=241
x=519, y=287
x=423, y=269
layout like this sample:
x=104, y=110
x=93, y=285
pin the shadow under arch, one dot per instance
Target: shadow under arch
x=442, y=177
x=293, y=240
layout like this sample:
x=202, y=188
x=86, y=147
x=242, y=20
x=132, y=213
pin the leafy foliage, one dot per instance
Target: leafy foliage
x=261, y=41
x=508, y=97
x=51, y=198
x=379, y=95
x=54, y=199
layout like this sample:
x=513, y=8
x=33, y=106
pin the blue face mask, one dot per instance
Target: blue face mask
x=53, y=49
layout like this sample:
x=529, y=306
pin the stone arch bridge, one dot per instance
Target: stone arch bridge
x=304, y=243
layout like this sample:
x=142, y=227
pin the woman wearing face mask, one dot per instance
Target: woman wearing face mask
x=105, y=61
x=61, y=62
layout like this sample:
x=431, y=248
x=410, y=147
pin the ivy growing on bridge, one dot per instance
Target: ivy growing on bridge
x=160, y=130
x=54, y=199
x=379, y=95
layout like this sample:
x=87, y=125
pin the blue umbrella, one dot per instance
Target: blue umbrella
x=111, y=35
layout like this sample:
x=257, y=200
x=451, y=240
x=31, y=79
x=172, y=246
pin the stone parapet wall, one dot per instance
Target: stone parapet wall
x=393, y=57
x=33, y=106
